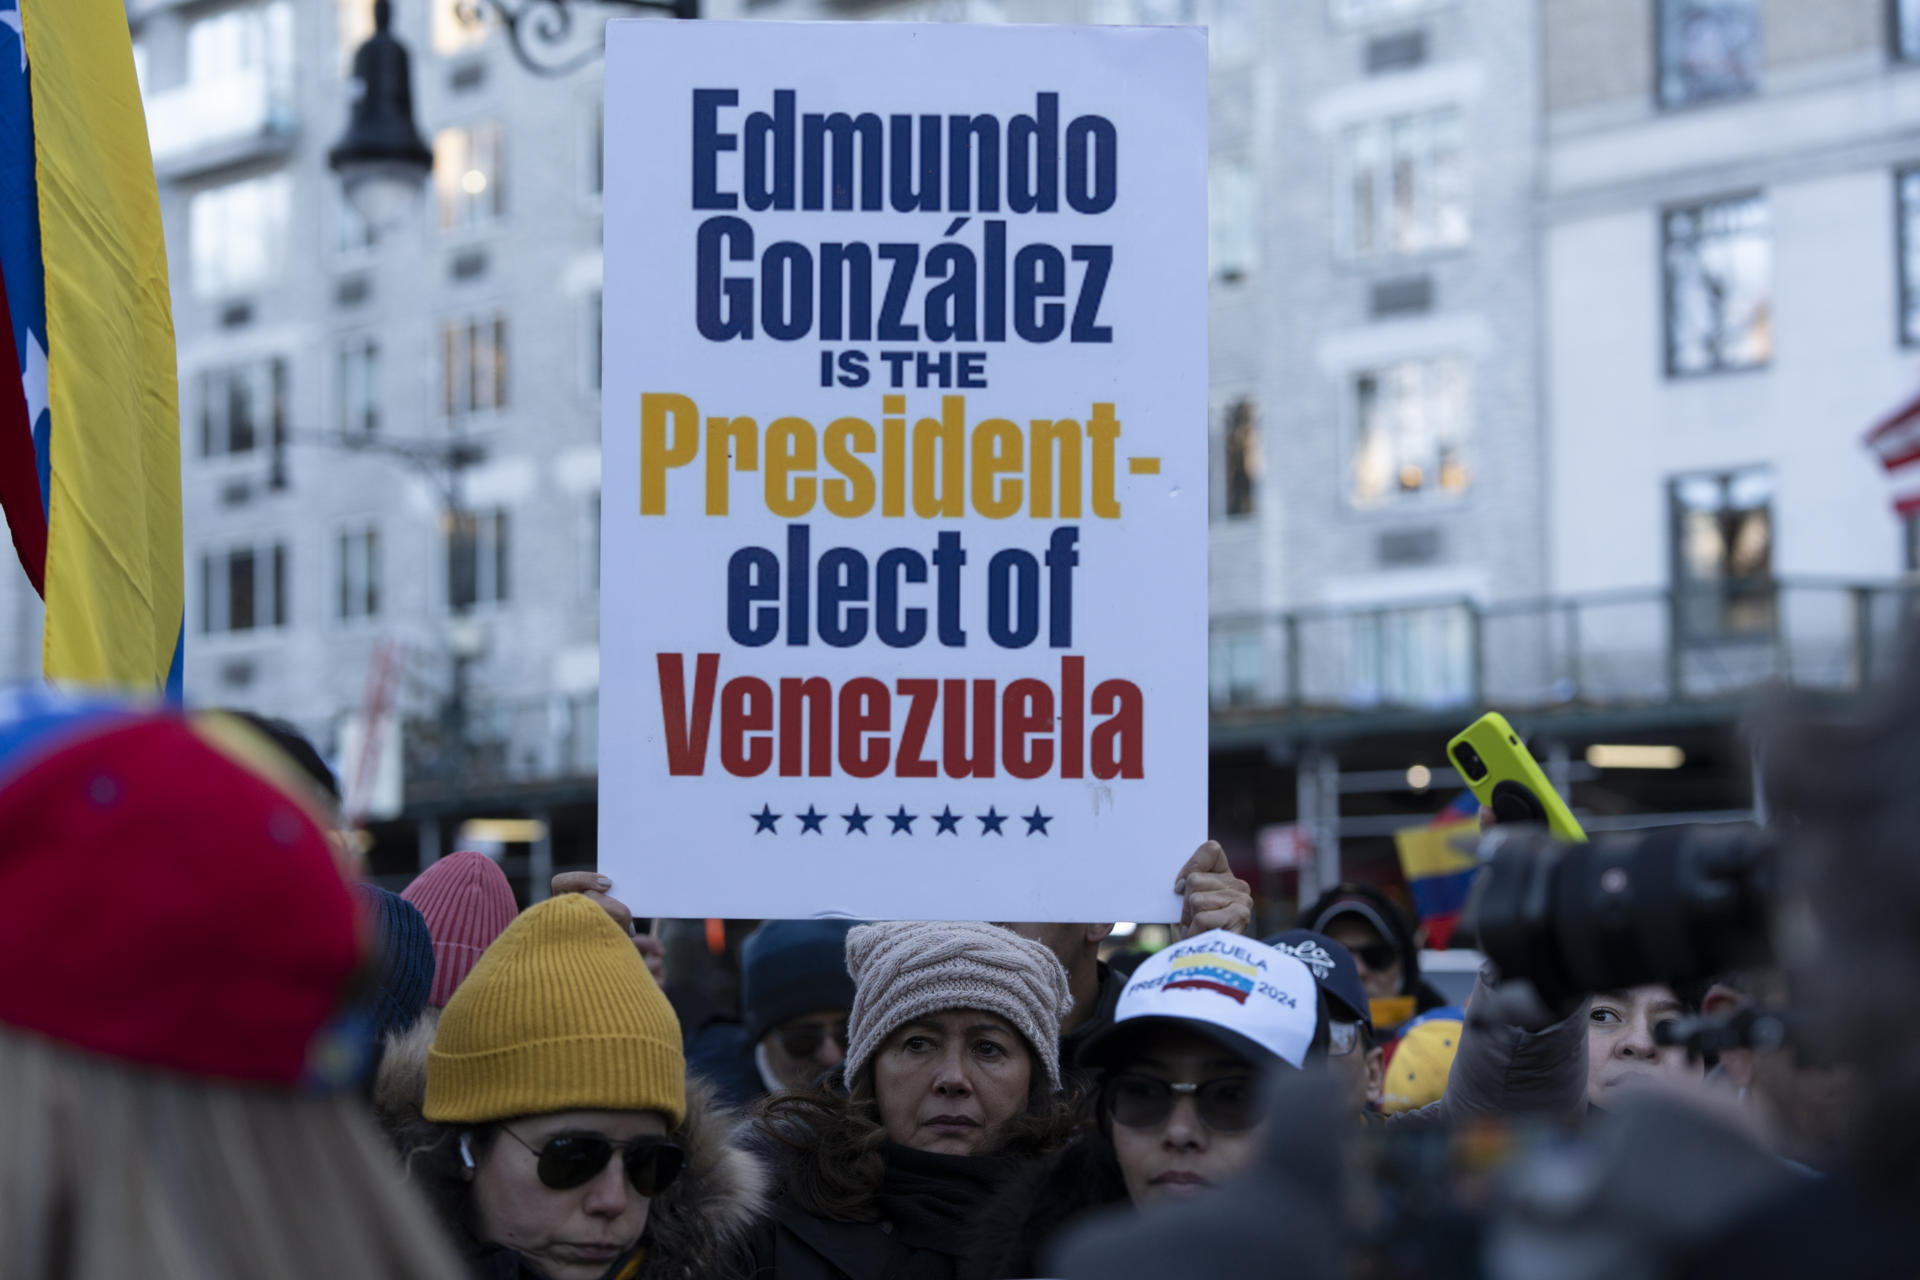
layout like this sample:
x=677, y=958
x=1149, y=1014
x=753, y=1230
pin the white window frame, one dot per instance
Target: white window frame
x=359, y=581
x=466, y=414
x=260, y=373
x=216, y=599
x=211, y=235
x=492, y=561
x=1427, y=190
x=362, y=346
x=459, y=211
x=1392, y=501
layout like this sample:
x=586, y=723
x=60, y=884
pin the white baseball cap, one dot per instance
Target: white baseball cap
x=1253, y=998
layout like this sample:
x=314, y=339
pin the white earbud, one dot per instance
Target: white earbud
x=466, y=1151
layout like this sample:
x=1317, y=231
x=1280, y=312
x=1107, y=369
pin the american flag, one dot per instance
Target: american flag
x=1896, y=440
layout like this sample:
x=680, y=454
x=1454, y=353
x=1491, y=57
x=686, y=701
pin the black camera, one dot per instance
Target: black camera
x=1672, y=905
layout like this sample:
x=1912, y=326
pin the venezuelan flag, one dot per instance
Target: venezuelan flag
x=1439, y=874
x=90, y=434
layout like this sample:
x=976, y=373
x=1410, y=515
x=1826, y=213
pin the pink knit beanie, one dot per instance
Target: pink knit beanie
x=904, y=970
x=467, y=901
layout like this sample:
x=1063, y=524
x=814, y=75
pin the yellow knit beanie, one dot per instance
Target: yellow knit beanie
x=560, y=1013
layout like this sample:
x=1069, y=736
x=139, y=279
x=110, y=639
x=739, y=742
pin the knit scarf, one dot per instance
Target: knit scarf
x=932, y=1200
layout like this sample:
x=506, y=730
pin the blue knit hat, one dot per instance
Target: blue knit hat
x=406, y=960
x=793, y=967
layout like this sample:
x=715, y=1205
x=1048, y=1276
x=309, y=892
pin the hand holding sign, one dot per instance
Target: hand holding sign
x=1212, y=897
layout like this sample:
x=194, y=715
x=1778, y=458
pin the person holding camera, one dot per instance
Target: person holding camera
x=1623, y=1049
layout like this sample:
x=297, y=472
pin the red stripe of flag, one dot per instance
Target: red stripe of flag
x=20, y=470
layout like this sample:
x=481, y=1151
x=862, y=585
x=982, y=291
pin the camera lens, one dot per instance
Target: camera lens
x=1468, y=761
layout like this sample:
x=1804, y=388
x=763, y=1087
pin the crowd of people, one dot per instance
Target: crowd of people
x=222, y=1055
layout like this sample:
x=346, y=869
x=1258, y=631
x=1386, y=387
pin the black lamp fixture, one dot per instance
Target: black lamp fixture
x=543, y=34
x=381, y=160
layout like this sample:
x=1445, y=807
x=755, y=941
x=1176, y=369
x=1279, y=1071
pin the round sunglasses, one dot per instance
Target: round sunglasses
x=570, y=1160
x=805, y=1041
x=1231, y=1105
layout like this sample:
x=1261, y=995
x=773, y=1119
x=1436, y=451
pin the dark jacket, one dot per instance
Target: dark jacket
x=1511, y=1064
x=721, y=1053
x=1015, y=1229
x=1106, y=998
x=695, y=1228
x=927, y=1214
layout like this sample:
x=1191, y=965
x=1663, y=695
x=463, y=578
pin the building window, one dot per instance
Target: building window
x=1233, y=220
x=1234, y=668
x=1722, y=535
x=358, y=383
x=237, y=43
x=1412, y=420
x=452, y=31
x=1719, y=286
x=477, y=552
x=1402, y=185
x=1708, y=49
x=243, y=407
x=469, y=173
x=1241, y=460
x=359, y=583
x=244, y=589
x=1907, y=192
x=1906, y=29
x=473, y=365
x=238, y=235
x=1910, y=541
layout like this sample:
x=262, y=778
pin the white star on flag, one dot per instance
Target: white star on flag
x=11, y=18
x=34, y=379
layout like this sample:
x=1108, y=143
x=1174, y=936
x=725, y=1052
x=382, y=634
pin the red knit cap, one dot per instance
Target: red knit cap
x=467, y=901
x=162, y=903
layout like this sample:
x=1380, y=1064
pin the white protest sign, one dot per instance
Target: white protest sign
x=903, y=590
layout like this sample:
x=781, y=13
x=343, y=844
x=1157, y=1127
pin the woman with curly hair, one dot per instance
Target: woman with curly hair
x=951, y=1088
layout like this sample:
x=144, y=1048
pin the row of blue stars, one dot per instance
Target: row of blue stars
x=946, y=822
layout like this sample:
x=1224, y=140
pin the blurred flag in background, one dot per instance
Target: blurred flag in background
x=89, y=435
x=1439, y=874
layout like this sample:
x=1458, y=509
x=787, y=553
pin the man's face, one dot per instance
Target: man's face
x=1359, y=1067
x=1377, y=958
x=801, y=1050
x=1621, y=1052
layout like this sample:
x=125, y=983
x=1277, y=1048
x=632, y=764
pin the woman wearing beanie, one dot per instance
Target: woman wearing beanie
x=951, y=1085
x=561, y=1139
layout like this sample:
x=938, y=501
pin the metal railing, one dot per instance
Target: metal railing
x=1611, y=649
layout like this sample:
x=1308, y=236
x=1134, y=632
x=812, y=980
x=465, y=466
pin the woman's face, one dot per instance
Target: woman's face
x=1620, y=1048
x=949, y=1082
x=566, y=1235
x=1181, y=1155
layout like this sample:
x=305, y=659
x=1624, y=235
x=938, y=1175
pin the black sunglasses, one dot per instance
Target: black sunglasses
x=804, y=1042
x=1231, y=1105
x=574, y=1159
x=1378, y=956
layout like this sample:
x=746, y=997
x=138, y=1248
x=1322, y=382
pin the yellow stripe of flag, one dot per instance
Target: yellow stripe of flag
x=115, y=581
x=1430, y=851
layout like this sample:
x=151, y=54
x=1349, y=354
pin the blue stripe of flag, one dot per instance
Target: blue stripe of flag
x=20, y=218
x=1442, y=895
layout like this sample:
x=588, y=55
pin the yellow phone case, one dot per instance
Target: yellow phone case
x=1507, y=780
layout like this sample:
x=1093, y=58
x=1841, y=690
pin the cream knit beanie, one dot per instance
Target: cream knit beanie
x=907, y=969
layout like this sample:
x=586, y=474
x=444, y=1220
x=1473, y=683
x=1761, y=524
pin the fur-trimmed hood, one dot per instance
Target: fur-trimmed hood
x=696, y=1228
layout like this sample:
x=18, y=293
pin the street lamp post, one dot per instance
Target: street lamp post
x=381, y=159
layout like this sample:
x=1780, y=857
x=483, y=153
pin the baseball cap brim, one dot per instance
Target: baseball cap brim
x=1112, y=1043
x=1356, y=907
